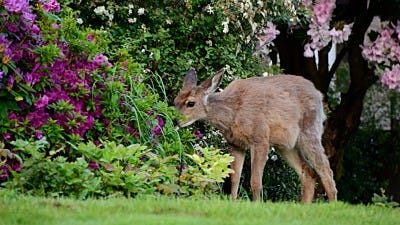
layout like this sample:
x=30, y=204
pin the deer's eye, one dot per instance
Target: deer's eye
x=190, y=104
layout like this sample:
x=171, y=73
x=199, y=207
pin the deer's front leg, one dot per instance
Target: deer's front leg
x=259, y=155
x=236, y=166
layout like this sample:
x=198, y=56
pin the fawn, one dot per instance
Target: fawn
x=283, y=111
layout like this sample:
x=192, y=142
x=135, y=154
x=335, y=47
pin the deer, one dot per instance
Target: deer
x=281, y=111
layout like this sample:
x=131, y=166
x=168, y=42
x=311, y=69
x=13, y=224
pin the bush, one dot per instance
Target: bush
x=58, y=84
x=170, y=37
x=375, y=171
x=114, y=169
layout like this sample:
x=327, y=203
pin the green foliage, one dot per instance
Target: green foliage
x=280, y=182
x=170, y=37
x=114, y=169
x=369, y=159
x=383, y=200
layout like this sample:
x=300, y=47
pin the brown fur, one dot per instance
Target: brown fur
x=283, y=111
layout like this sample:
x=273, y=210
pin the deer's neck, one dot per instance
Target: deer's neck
x=220, y=111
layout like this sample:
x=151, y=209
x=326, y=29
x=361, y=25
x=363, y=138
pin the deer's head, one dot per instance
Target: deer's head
x=191, y=101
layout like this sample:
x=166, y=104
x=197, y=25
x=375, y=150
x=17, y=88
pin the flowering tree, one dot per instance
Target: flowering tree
x=371, y=47
x=366, y=34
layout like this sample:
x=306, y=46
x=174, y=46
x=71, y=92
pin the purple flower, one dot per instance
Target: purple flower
x=13, y=116
x=10, y=83
x=35, y=29
x=1, y=74
x=198, y=134
x=93, y=165
x=38, y=118
x=12, y=27
x=16, y=6
x=29, y=17
x=42, y=103
x=6, y=136
x=4, y=173
x=14, y=164
x=51, y=5
x=39, y=134
x=160, y=124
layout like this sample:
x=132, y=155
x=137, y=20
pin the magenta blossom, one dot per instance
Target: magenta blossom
x=160, y=124
x=91, y=37
x=6, y=136
x=16, y=6
x=39, y=134
x=198, y=134
x=93, y=165
x=42, y=103
x=4, y=173
x=51, y=5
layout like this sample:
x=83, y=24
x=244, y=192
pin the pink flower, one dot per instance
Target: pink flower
x=56, y=26
x=391, y=77
x=270, y=33
x=398, y=29
x=91, y=37
x=308, y=52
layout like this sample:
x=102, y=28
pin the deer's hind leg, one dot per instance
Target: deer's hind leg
x=306, y=174
x=313, y=150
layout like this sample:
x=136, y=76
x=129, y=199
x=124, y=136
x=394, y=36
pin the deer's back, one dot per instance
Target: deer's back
x=278, y=107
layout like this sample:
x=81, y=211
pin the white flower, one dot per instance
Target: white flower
x=130, y=6
x=132, y=20
x=209, y=42
x=140, y=11
x=169, y=21
x=226, y=26
x=79, y=20
x=274, y=157
x=209, y=9
x=100, y=10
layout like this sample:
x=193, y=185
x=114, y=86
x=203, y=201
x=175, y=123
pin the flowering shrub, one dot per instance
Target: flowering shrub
x=170, y=37
x=56, y=82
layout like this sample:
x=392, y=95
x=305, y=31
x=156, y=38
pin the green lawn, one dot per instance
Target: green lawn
x=16, y=209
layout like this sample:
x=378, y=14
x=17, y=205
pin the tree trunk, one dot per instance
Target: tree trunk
x=344, y=120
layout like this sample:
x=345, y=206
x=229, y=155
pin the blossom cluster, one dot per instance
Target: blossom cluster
x=383, y=51
x=250, y=17
x=61, y=96
x=319, y=28
x=265, y=40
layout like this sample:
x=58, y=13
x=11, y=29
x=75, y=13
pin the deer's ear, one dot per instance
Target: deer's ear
x=212, y=83
x=190, y=80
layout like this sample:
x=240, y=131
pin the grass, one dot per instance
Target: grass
x=17, y=209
